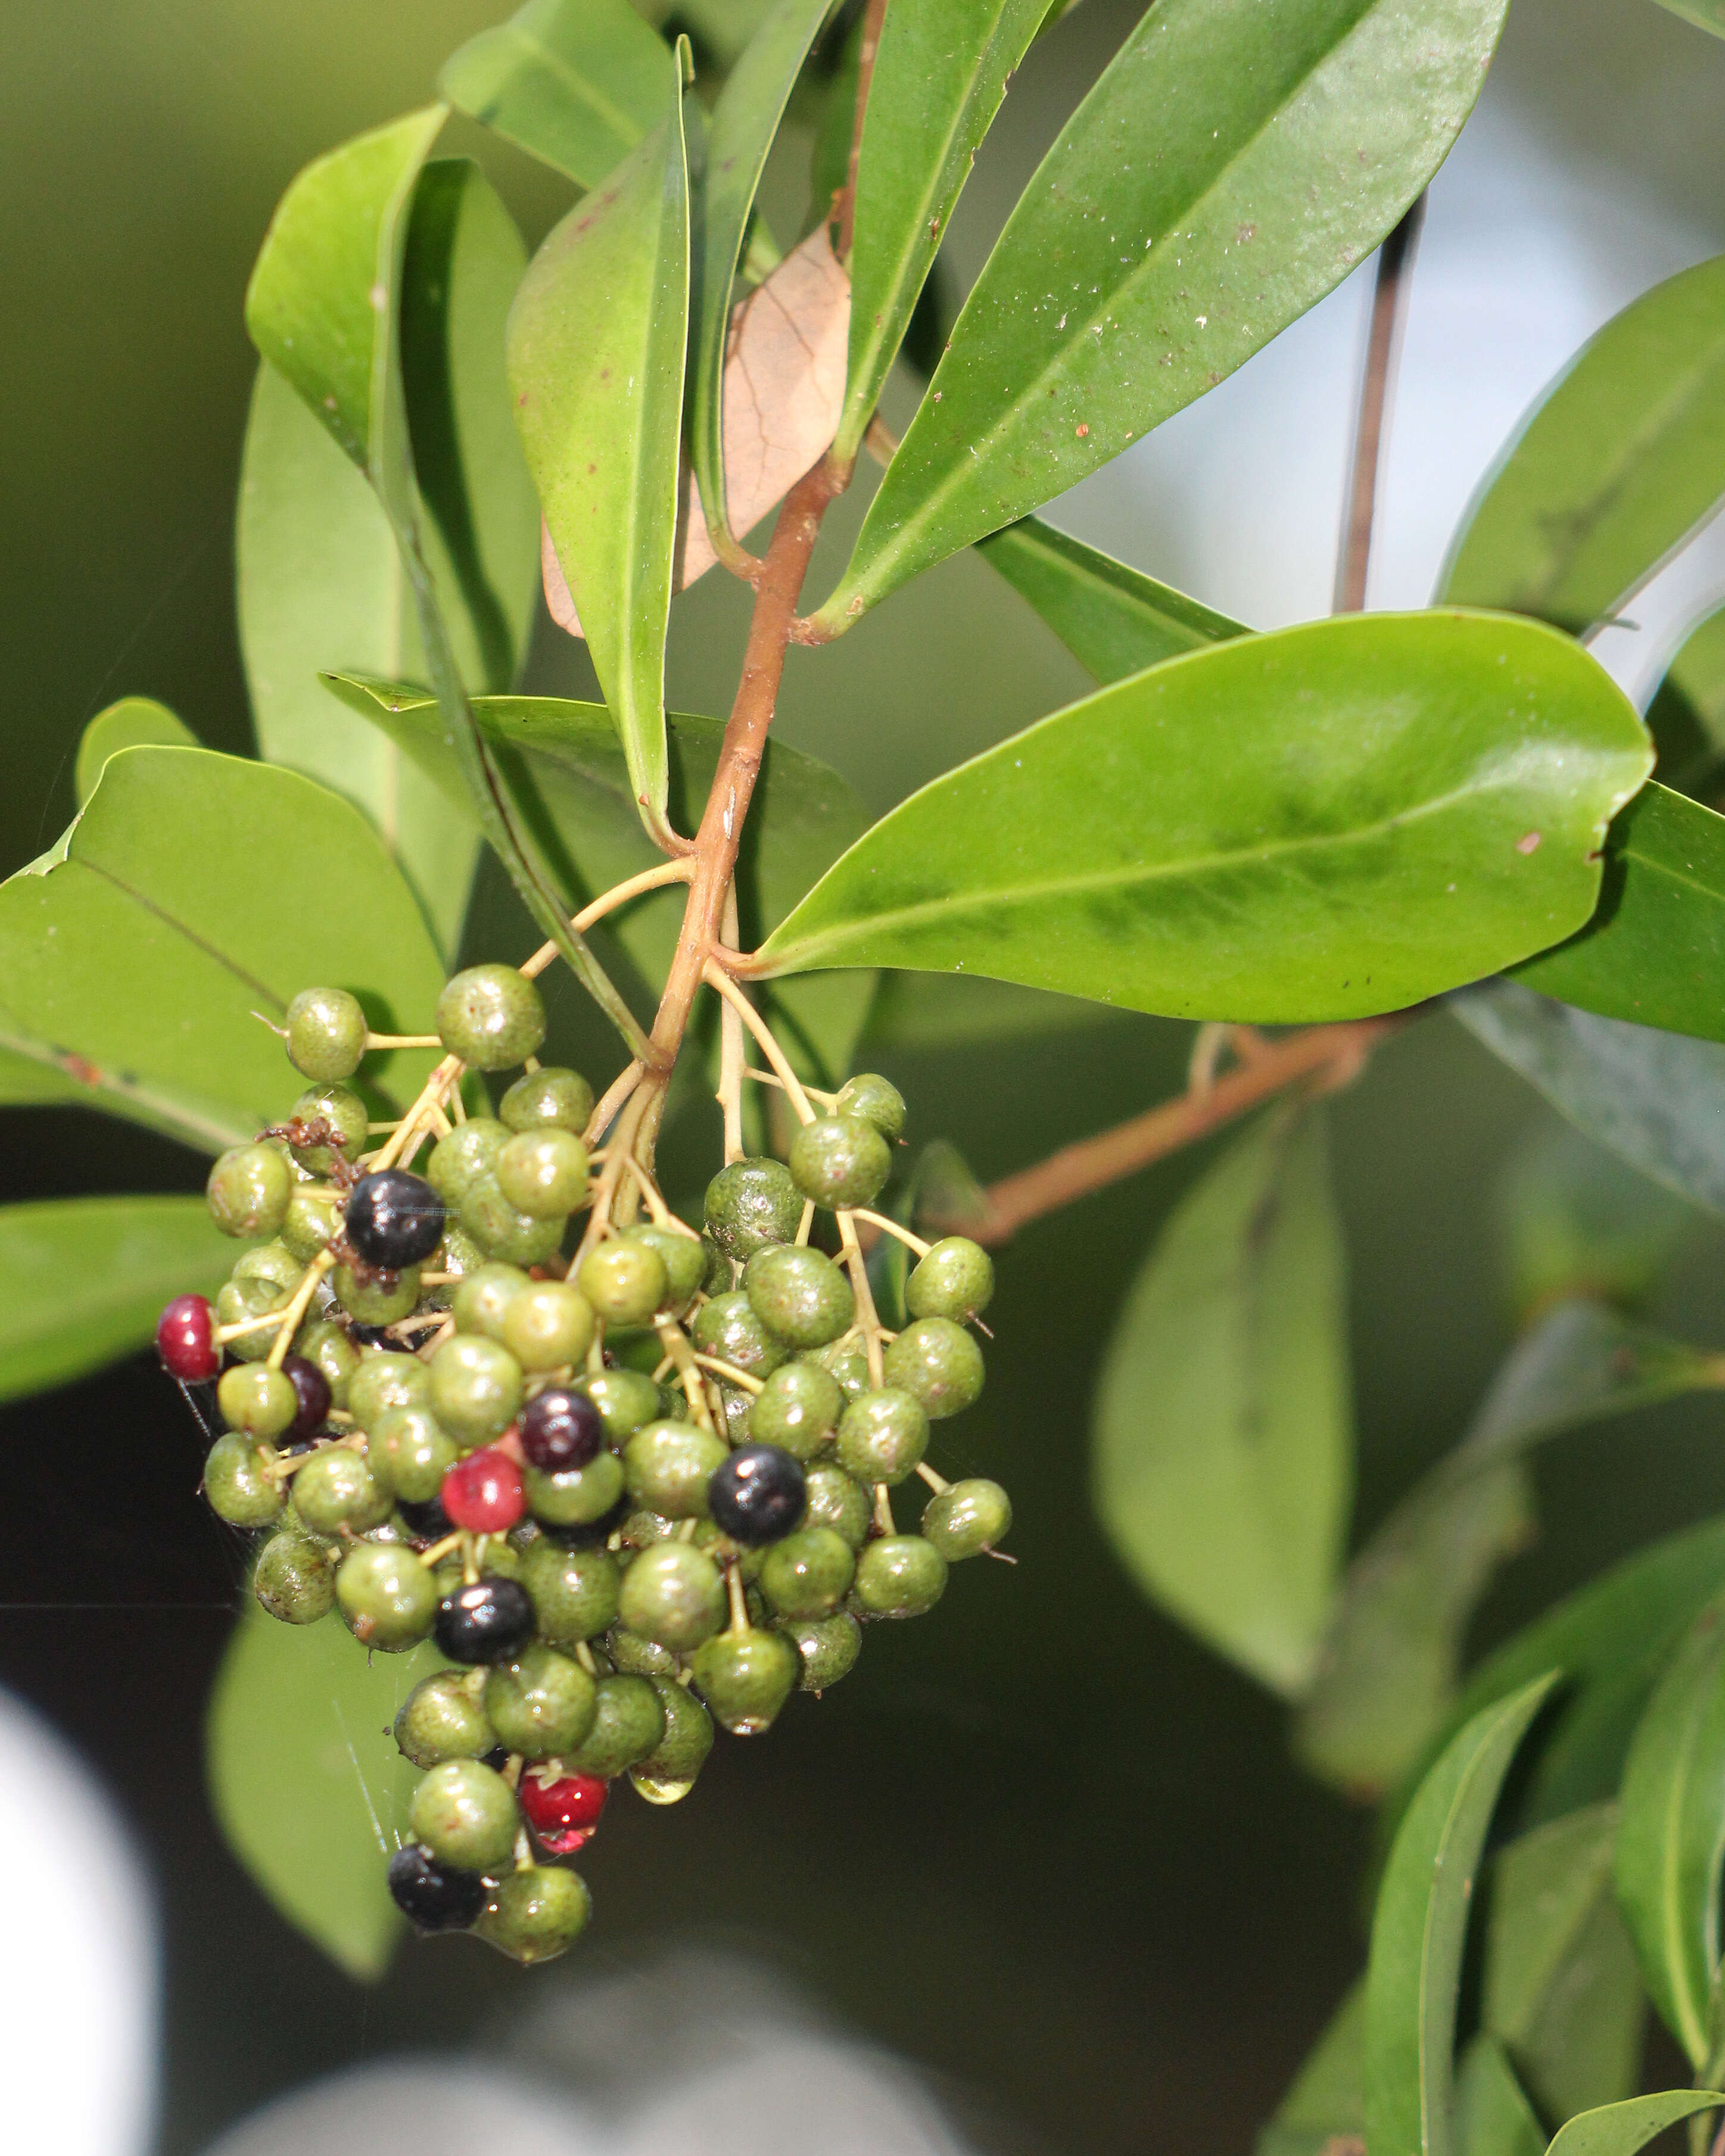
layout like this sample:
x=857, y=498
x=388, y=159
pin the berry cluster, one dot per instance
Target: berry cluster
x=628, y=1494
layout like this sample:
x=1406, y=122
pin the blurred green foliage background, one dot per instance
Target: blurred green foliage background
x=1044, y=1844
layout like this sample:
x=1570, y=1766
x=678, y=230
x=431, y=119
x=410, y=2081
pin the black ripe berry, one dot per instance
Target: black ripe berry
x=311, y=1389
x=433, y=1896
x=394, y=1218
x=427, y=1522
x=758, y=1494
x=561, y=1430
x=487, y=1622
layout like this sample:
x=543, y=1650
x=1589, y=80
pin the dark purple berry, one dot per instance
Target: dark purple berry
x=433, y=1896
x=488, y=1622
x=394, y=1218
x=561, y=1430
x=758, y=1495
x=427, y=1522
x=311, y=1389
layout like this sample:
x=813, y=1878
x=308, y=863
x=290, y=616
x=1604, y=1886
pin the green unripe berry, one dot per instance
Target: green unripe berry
x=537, y=1913
x=239, y=1485
x=377, y=1298
x=475, y=1388
x=548, y=1099
x=336, y=1488
x=899, y=1576
x=750, y=1203
x=938, y=1364
x=441, y=1718
x=543, y=1174
x=848, y=1365
x=574, y=1496
x=839, y=1161
x=241, y=1300
x=666, y=1466
x=635, y=1656
x=735, y=1405
x=491, y=1017
x=967, y=1518
x=730, y=1328
x=745, y=1678
x=469, y=1151
x=574, y=1591
x=387, y=1596
x=673, y=1595
x=458, y=1255
x=481, y=1302
x=248, y=1190
x=827, y=1646
x=327, y=1346
x=629, y=1725
x=273, y=1263
x=466, y=1815
x=624, y=1399
x=295, y=1579
x=808, y=1573
x=541, y=1704
x=500, y=1231
x=955, y=1279
x=717, y=1276
x=798, y=1409
x=548, y=1325
x=799, y=1294
x=837, y=1501
x=686, y=1261
x=409, y=1452
x=386, y=1378
x=681, y=1752
x=310, y=1223
x=882, y=1436
x=326, y=1033
x=255, y=1398
x=625, y=1280
x=876, y=1100
x=343, y=1113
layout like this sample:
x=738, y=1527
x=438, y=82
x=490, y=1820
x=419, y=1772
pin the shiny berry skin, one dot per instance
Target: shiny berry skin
x=467, y=1153
x=798, y=1409
x=387, y=1597
x=542, y=1172
x=955, y=1280
x=487, y=1622
x=475, y=1388
x=483, y=1492
x=386, y=1378
x=491, y=1017
x=541, y=1703
x=746, y=1677
x=750, y=1203
x=394, y=1219
x=561, y=1430
x=758, y=1495
x=185, y=1340
x=311, y=1388
x=548, y=1326
x=674, y=1596
x=466, y=1815
x=248, y=1190
x=341, y=1112
x=938, y=1364
x=899, y=1576
x=808, y=1573
x=426, y=1522
x=547, y=1098
x=882, y=1436
x=686, y=1259
x=876, y=1100
x=625, y=1281
x=668, y=1465
x=575, y=1496
x=839, y=1161
x=326, y=1033
x=828, y=1647
x=799, y=1294
x=625, y=1399
x=537, y=1913
x=574, y=1591
x=295, y=1578
x=563, y=1813
x=967, y=1518
x=237, y=1486
x=681, y=1752
x=628, y=1724
x=442, y=1718
x=377, y=1298
x=257, y=1399
x=433, y=1896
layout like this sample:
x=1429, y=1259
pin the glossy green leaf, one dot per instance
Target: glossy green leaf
x=596, y=348
x=1325, y=2101
x=744, y=122
x=1338, y=818
x=1388, y=1675
x=82, y=1280
x=1705, y=14
x=306, y=1782
x=1613, y=1638
x=1655, y=950
x=1620, y=2129
x=1493, y=2116
x=576, y=82
x=564, y=768
x=1215, y=183
x=1222, y=1462
x=193, y=890
x=1656, y=1097
x=1575, y=1220
x=1697, y=673
x=1115, y=621
x=321, y=580
x=1671, y=1848
x=1419, y=1927
x=940, y=70
x=944, y=1011
x=1561, y=1991
x=134, y=723
x=1620, y=460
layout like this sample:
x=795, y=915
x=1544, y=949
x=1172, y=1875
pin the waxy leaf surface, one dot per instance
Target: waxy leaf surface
x=1493, y=2116
x=134, y=723
x=1620, y=2129
x=1337, y=819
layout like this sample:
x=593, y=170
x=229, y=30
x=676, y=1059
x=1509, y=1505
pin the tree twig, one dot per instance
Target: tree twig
x=1390, y=299
x=844, y=210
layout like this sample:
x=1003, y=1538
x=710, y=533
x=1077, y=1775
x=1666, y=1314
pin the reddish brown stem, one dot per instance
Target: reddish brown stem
x=1389, y=295
x=1319, y=1059
x=845, y=201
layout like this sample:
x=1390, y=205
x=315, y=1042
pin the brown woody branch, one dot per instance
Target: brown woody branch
x=1389, y=299
x=844, y=210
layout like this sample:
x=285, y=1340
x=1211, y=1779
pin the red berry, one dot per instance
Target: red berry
x=483, y=1492
x=563, y=1813
x=185, y=1339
